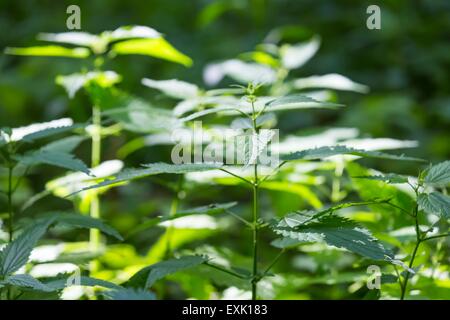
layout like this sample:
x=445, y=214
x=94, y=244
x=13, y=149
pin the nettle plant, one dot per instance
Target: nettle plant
x=301, y=168
x=430, y=211
x=323, y=225
x=97, y=50
x=20, y=152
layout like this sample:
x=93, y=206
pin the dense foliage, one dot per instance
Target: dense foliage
x=333, y=202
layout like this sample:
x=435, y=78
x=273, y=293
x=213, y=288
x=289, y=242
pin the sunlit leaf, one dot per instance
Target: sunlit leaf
x=295, y=56
x=74, y=82
x=239, y=71
x=49, y=51
x=129, y=32
x=435, y=203
x=71, y=37
x=158, y=48
x=330, y=81
x=324, y=152
x=154, y=169
x=298, y=101
x=39, y=130
x=262, y=58
x=439, y=174
x=173, y=88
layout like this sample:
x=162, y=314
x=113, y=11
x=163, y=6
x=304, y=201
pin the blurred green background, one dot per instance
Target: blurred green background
x=406, y=63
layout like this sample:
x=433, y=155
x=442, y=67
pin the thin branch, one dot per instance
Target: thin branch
x=237, y=176
x=398, y=207
x=273, y=262
x=239, y=218
x=436, y=236
x=273, y=172
x=20, y=179
x=400, y=282
x=237, y=275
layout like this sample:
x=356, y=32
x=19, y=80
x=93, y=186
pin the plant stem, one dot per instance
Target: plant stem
x=237, y=275
x=255, y=218
x=94, y=236
x=436, y=236
x=255, y=237
x=413, y=256
x=336, y=187
x=173, y=211
x=10, y=206
x=275, y=260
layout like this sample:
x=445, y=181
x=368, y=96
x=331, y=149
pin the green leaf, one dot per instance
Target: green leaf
x=82, y=221
x=154, y=169
x=330, y=81
x=324, y=152
x=146, y=277
x=439, y=174
x=264, y=104
x=298, y=101
x=36, y=131
x=15, y=254
x=239, y=71
x=129, y=294
x=173, y=88
x=335, y=231
x=295, y=56
x=211, y=209
x=54, y=158
x=133, y=113
x=435, y=203
x=49, y=51
x=158, y=48
x=74, y=82
x=72, y=37
x=65, y=145
x=27, y=282
x=129, y=32
x=391, y=178
x=297, y=218
x=261, y=58
x=64, y=282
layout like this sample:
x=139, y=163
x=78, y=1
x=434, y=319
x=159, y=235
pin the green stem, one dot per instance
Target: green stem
x=413, y=256
x=255, y=238
x=336, y=186
x=255, y=219
x=173, y=211
x=237, y=275
x=436, y=236
x=411, y=262
x=275, y=260
x=10, y=206
x=94, y=237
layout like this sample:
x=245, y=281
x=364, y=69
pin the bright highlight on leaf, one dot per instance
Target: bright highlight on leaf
x=49, y=51
x=158, y=48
